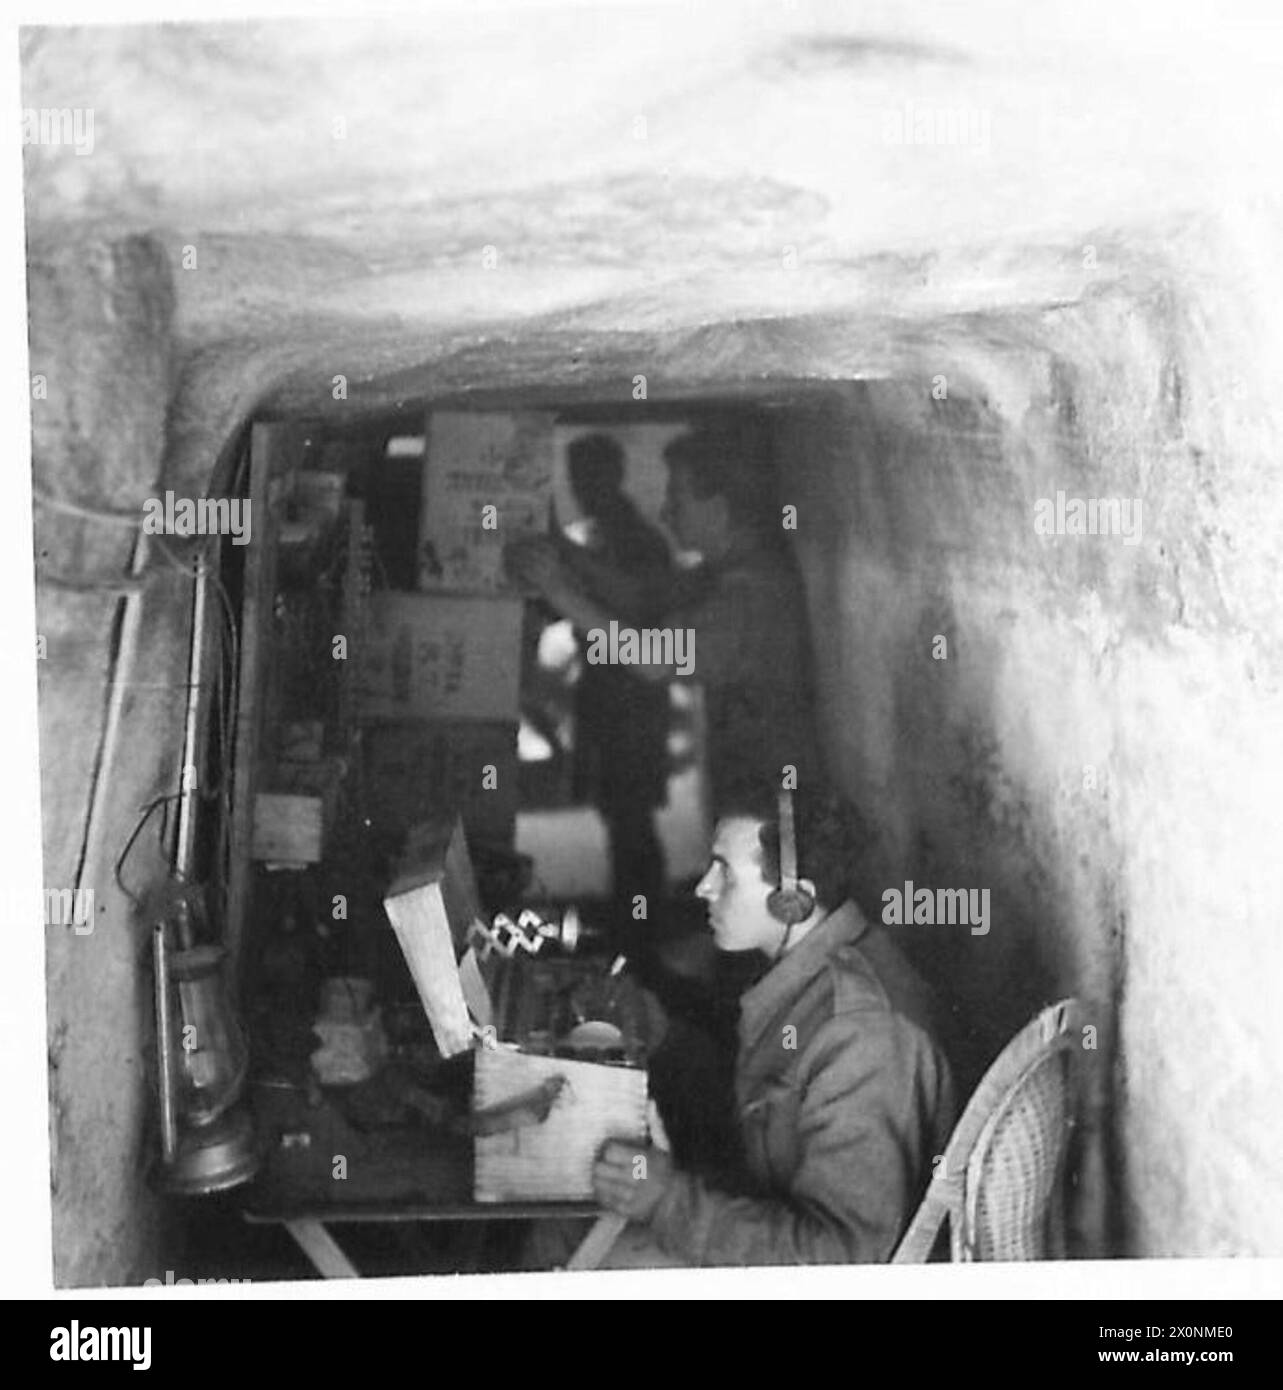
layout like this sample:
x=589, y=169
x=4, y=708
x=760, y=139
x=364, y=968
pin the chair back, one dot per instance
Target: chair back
x=998, y=1184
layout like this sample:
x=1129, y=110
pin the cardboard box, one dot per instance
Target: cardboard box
x=294, y=813
x=538, y=1120
x=474, y=461
x=418, y=770
x=433, y=657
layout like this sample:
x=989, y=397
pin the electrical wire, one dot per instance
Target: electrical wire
x=224, y=683
x=147, y=812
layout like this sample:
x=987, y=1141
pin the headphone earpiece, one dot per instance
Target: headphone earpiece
x=790, y=906
x=790, y=903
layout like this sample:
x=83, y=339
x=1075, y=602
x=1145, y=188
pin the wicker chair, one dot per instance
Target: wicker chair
x=999, y=1186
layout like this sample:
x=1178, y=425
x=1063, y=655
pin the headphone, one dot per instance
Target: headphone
x=790, y=903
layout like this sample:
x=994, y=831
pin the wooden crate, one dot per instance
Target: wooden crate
x=551, y=1160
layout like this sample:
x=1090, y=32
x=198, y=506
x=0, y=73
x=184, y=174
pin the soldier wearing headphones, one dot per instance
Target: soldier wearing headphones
x=843, y=1095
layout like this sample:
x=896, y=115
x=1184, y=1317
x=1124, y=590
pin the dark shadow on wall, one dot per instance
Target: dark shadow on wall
x=911, y=538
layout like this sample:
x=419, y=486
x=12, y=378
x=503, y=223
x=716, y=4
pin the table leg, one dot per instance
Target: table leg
x=596, y=1245
x=322, y=1249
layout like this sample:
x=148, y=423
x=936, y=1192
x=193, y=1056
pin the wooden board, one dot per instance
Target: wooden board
x=553, y=1161
x=423, y=931
x=258, y=593
x=431, y=904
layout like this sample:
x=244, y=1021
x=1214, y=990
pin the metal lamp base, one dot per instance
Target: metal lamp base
x=213, y=1157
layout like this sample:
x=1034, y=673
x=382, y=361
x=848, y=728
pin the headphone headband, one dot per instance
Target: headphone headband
x=788, y=843
x=790, y=903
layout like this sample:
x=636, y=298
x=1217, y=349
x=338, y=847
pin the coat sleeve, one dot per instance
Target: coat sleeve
x=874, y=1097
x=746, y=626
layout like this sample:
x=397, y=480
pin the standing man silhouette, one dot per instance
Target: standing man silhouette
x=621, y=719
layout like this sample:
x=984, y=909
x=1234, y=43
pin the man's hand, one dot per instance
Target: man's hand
x=631, y=1178
x=534, y=563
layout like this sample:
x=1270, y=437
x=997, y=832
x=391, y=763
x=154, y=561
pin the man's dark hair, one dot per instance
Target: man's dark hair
x=596, y=466
x=725, y=461
x=831, y=836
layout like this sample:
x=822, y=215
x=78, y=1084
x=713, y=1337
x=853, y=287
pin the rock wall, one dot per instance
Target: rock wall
x=1095, y=746
x=100, y=314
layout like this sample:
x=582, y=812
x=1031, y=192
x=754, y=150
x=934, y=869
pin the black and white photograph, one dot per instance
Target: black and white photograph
x=658, y=647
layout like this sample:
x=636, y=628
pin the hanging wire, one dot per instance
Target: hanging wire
x=228, y=676
x=148, y=811
x=224, y=684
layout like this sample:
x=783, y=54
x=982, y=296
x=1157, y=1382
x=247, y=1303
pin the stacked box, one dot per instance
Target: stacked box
x=431, y=656
x=476, y=461
x=296, y=809
x=288, y=829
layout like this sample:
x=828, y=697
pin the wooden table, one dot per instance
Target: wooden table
x=308, y=1225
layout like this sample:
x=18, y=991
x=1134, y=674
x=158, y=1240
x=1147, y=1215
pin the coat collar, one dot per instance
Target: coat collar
x=786, y=980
